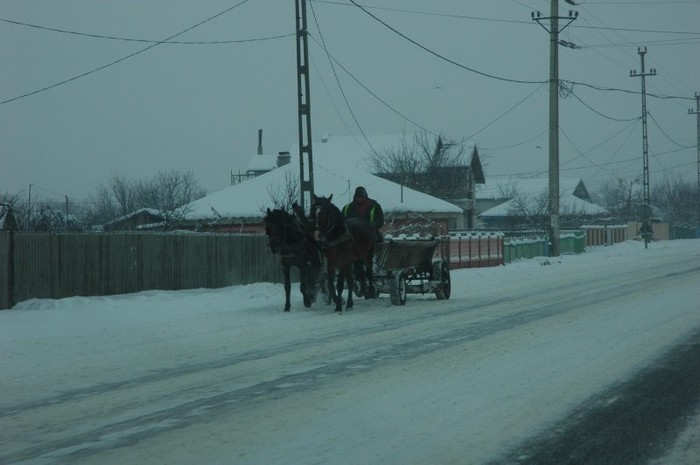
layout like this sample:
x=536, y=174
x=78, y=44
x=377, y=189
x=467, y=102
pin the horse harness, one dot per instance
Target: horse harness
x=344, y=234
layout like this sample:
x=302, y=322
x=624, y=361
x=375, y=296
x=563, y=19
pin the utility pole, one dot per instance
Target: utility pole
x=554, y=116
x=646, y=208
x=697, y=146
x=306, y=171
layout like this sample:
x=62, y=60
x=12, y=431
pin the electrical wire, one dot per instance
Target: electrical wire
x=494, y=149
x=369, y=91
x=337, y=80
x=599, y=113
x=87, y=73
x=507, y=111
x=500, y=78
x=442, y=57
x=667, y=136
x=129, y=39
x=427, y=13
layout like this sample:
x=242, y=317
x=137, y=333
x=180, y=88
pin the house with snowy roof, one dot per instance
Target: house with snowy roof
x=516, y=201
x=135, y=220
x=360, y=153
x=241, y=207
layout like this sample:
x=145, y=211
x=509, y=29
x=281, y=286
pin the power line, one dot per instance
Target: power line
x=667, y=136
x=130, y=39
x=493, y=149
x=500, y=78
x=634, y=92
x=337, y=80
x=637, y=2
x=427, y=13
x=501, y=20
x=507, y=111
x=599, y=113
x=87, y=73
x=442, y=57
x=373, y=94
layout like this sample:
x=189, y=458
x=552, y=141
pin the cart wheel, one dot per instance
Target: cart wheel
x=398, y=290
x=441, y=272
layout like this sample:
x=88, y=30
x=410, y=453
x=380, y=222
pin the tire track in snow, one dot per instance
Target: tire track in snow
x=627, y=424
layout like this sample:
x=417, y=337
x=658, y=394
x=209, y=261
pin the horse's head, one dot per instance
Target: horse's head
x=275, y=227
x=328, y=219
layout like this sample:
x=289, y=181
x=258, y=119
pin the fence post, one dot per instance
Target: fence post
x=6, y=269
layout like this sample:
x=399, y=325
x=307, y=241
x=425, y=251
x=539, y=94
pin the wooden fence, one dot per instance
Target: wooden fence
x=473, y=250
x=57, y=265
x=605, y=234
x=48, y=265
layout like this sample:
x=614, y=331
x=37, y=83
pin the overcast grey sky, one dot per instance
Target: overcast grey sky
x=441, y=65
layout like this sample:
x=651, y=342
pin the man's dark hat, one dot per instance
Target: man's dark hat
x=360, y=192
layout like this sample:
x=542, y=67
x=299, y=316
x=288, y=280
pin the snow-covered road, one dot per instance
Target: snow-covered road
x=224, y=377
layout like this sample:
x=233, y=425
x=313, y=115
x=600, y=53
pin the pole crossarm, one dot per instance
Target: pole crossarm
x=538, y=18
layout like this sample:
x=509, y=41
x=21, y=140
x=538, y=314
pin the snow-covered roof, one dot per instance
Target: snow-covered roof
x=262, y=162
x=503, y=188
x=531, y=190
x=151, y=211
x=355, y=152
x=251, y=198
x=568, y=203
x=352, y=152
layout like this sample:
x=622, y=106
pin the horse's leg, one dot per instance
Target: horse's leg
x=304, y=284
x=339, y=288
x=361, y=277
x=351, y=283
x=287, y=288
x=331, y=289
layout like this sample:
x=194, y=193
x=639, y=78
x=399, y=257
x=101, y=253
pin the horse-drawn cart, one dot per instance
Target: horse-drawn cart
x=415, y=266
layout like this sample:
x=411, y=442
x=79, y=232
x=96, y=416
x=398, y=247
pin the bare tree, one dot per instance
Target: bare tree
x=171, y=192
x=623, y=197
x=124, y=193
x=434, y=165
x=168, y=192
x=676, y=201
x=531, y=209
x=285, y=193
x=100, y=207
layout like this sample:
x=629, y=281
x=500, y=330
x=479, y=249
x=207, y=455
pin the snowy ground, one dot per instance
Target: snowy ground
x=225, y=377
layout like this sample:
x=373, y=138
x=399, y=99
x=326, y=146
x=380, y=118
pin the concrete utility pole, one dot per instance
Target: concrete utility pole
x=646, y=208
x=306, y=173
x=554, y=116
x=697, y=146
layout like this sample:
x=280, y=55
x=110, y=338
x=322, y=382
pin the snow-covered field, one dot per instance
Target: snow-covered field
x=225, y=377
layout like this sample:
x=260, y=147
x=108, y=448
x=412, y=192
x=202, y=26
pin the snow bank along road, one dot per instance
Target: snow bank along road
x=590, y=359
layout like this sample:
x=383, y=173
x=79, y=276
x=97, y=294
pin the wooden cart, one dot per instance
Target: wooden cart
x=412, y=266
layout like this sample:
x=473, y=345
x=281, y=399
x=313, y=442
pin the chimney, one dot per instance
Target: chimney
x=283, y=158
x=260, y=149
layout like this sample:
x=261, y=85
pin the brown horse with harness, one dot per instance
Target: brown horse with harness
x=344, y=242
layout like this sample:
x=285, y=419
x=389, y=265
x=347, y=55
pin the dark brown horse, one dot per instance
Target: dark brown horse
x=344, y=242
x=292, y=238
